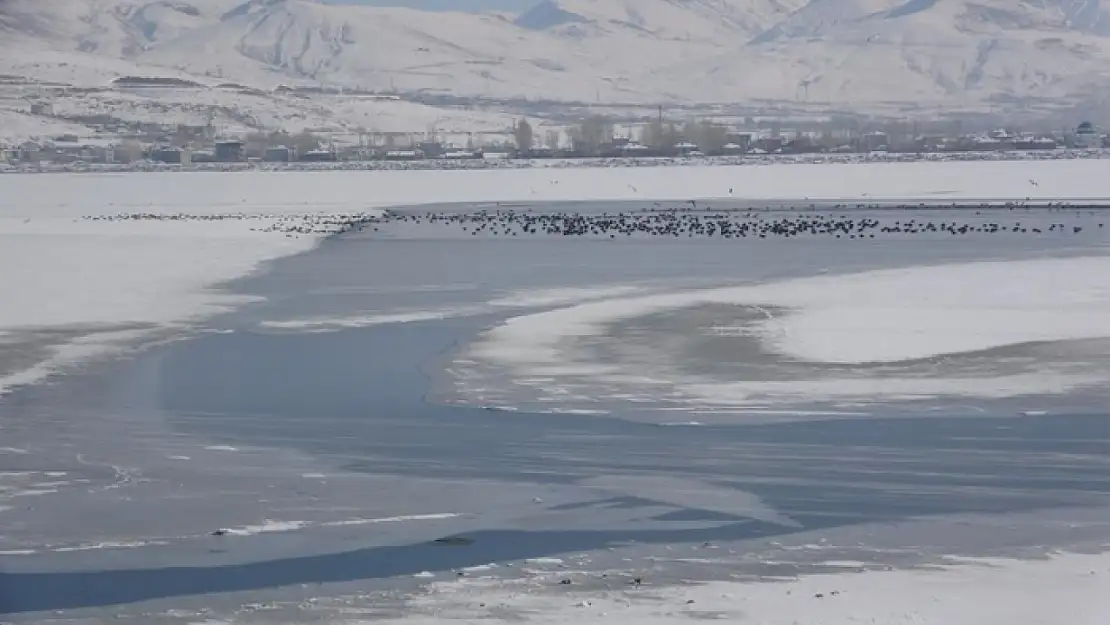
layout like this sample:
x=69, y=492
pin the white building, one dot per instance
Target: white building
x=1087, y=136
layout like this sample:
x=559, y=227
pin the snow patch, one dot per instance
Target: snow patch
x=135, y=544
x=972, y=592
x=270, y=526
x=886, y=316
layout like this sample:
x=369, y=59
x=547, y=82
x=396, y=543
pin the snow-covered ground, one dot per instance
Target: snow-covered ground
x=17, y=127
x=97, y=276
x=234, y=111
x=1067, y=588
x=856, y=182
x=873, y=317
x=238, y=112
x=110, y=282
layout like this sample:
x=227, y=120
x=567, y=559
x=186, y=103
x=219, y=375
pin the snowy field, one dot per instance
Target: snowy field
x=923, y=314
x=79, y=289
x=970, y=592
x=166, y=269
x=19, y=127
x=237, y=112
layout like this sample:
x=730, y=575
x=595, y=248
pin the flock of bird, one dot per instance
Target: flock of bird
x=723, y=224
x=289, y=224
x=684, y=222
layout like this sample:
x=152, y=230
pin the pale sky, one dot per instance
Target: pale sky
x=453, y=5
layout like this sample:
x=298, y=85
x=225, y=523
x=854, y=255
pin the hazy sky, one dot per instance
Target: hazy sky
x=453, y=5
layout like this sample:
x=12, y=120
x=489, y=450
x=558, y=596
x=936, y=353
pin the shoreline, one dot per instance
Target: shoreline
x=585, y=163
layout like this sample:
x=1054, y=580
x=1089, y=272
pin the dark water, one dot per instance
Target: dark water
x=247, y=424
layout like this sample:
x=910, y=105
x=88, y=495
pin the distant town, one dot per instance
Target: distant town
x=595, y=137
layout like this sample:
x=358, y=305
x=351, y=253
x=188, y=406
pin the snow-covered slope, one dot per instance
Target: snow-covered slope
x=951, y=52
x=383, y=49
x=843, y=52
x=111, y=27
x=695, y=21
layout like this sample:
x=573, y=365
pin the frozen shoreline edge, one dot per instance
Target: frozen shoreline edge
x=963, y=591
x=96, y=345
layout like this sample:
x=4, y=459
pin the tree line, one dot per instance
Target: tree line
x=594, y=134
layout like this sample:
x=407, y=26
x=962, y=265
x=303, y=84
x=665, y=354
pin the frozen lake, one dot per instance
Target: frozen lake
x=667, y=406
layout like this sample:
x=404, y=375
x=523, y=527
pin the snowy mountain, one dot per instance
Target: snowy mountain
x=110, y=27
x=691, y=21
x=859, y=53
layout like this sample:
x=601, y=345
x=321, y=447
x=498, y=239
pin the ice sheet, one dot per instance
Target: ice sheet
x=755, y=394
x=270, y=526
x=972, y=592
x=919, y=312
x=92, y=345
x=525, y=299
x=58, y=272
x=879, y=316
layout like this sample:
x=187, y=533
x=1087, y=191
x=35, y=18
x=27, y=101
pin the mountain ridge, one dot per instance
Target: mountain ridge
x=855, y=53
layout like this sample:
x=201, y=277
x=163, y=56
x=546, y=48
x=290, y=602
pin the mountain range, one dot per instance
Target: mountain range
x=847, y=53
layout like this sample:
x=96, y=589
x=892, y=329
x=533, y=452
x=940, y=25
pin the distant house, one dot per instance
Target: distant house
x=874, y=142
x=741, y=139
x=1004, y=139
x=732, y=149
x=166, y=154
x=930, y=143
x=768, y=145
x=228, y=151
x=278, y=154
x=29, y=152
x=84, y=152
x=318, y=156
x=980, y=143
x=1035, y=143
x=634, y=149
x=685, y=148
x=431, y=149
x=540, y=152
x=403, y=155
x=460, y=155
x=1087, y=136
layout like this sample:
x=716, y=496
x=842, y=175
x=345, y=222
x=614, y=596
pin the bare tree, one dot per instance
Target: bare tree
x=524, y=135
x=552, y=139
x=304, y=142
x=652, y=134
x=591, y=134
x=129, y=151
x=661, y=135
x=255, y=143
x=708, y=136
